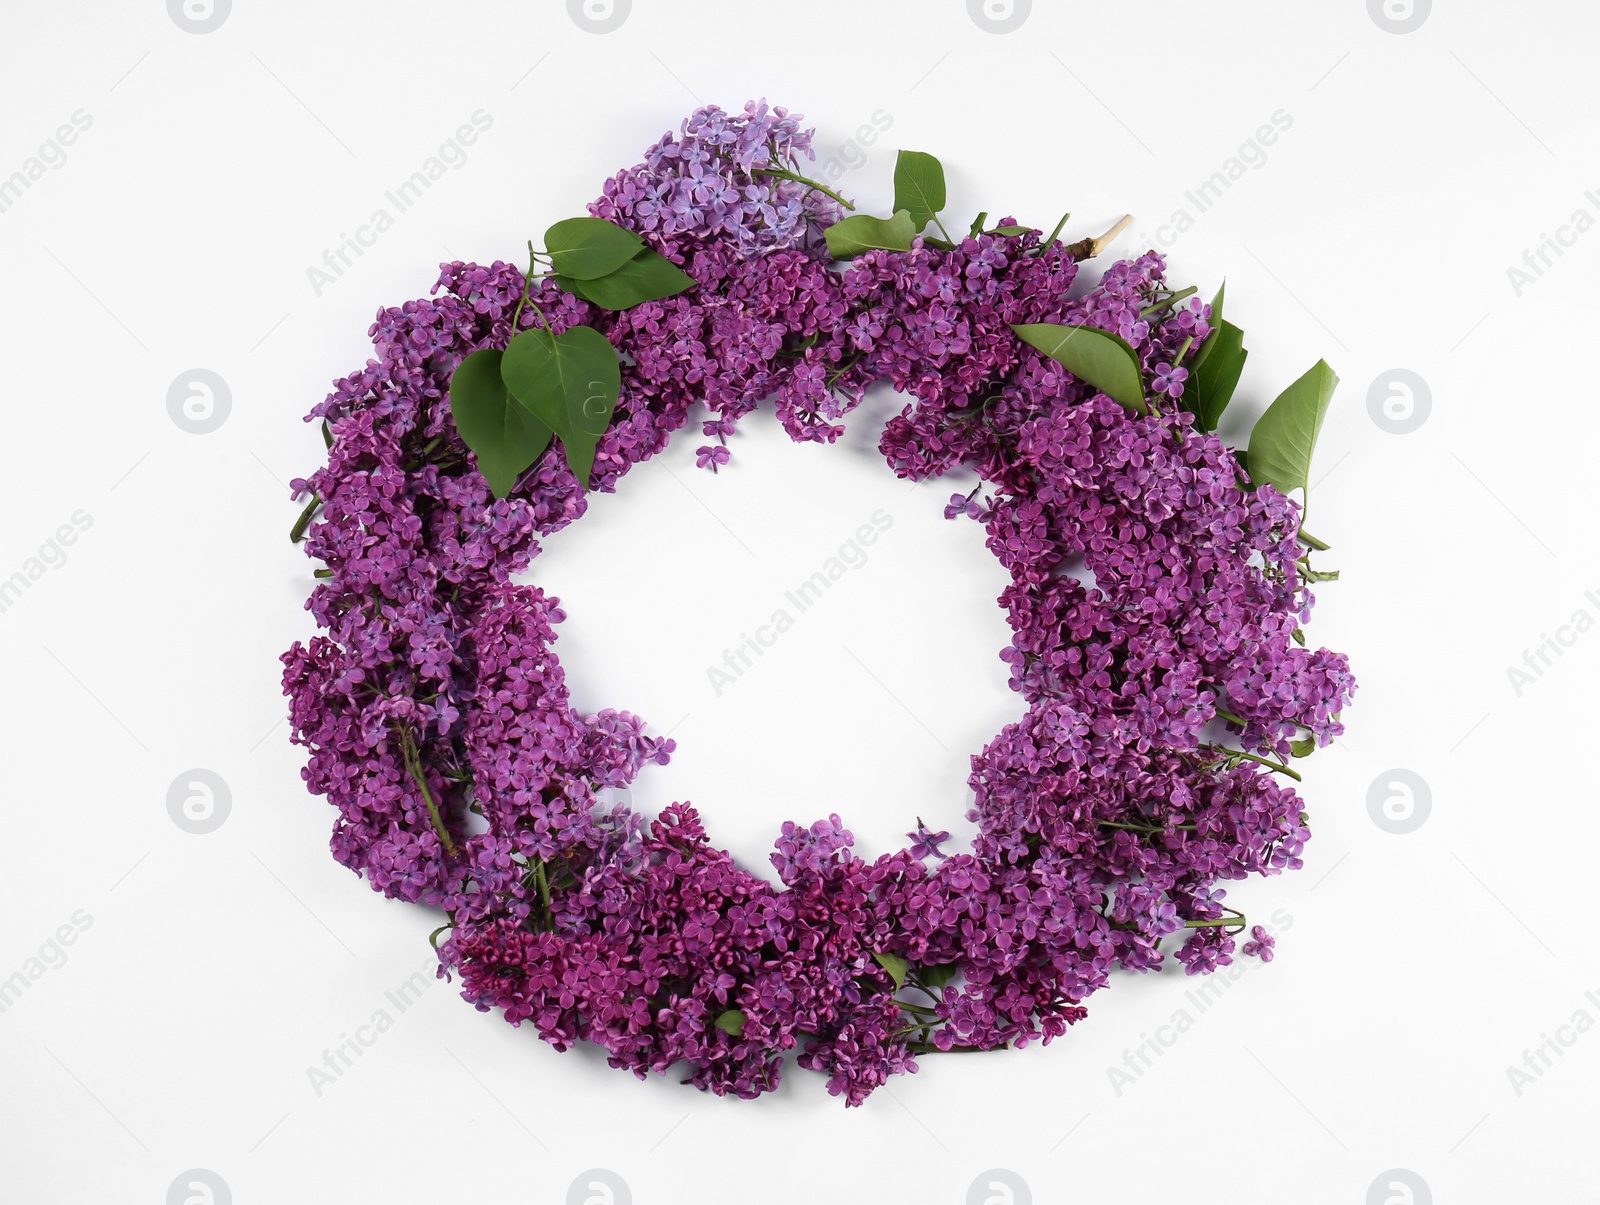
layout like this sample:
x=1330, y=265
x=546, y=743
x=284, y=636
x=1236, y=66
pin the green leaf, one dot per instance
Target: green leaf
x=1011, y=231
x=1215, y=322
x=504, y=436
x=937, y=976
x=1303, y=748
x=588, y=248
x=570, y=383
x=648, y=276
x=918, y=186
x=731, y=1022
x=895, y=965
x=866, y=233
x=1286, y=435
x=1102, y=359
x=1214, y=375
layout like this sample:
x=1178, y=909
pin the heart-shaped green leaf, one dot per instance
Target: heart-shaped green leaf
x=648, y=276
x=505, y=437
x=587, y=248
x=1102, y=359
x=866, y=233
x=731, y=1022
x=570, y=382
x=918, y=186
x=1286, y=435
x=895, y=965
x=1214, y=375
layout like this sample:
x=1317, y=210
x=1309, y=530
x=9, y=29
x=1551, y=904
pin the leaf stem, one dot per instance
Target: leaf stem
x=1311, y=541
x=527, y=283
x=796, y=177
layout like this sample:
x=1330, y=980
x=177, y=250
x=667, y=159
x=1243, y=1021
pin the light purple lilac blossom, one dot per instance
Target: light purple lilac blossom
x=1106, y=814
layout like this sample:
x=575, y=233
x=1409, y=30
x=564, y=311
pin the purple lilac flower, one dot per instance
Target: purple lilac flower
x=925, y=843
x=1169, y=380
x=711, y=456
x=1260, y=944
x=1106, y=821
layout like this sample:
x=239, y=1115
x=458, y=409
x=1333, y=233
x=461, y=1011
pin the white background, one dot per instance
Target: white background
x=215, y=969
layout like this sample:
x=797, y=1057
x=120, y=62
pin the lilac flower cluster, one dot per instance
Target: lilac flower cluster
x=1155, y=599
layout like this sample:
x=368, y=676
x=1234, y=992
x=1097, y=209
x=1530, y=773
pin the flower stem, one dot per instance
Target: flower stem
x=408, y=750
x=930, y=1048
x=1267, y=762
x=1165, y=302
x=1088, y=248
x=1311, y=541
x=796, y=177
x=298, y=531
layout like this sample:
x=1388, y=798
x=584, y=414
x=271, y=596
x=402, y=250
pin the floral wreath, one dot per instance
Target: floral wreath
x=1165, y=700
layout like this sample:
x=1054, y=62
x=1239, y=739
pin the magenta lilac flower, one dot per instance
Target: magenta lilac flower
x=1153, y=703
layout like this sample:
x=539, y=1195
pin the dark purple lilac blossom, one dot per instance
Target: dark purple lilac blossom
x=1107, y=814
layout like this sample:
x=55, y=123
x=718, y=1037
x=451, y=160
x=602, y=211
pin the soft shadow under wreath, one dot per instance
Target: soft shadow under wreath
x=1165, y=702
